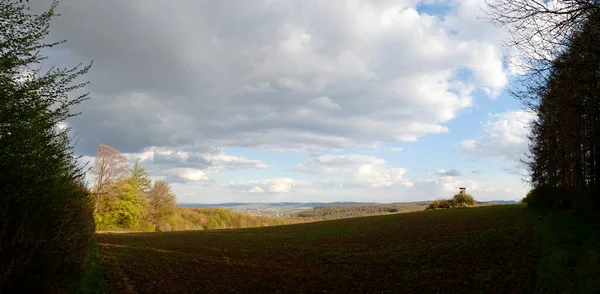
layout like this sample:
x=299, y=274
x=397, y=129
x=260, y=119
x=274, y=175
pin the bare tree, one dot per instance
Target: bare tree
x=109, y=166
x=540, y=29
x=537, y=33
x=161, y=202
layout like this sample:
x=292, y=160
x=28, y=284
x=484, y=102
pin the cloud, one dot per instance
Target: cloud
x=210, y=161
x=275, y=185
x=518, y=170
x=194, y=175
x=180, y=85
x=325, y=102
x=360, y=169
x=447, y=186
x=505, y=136
x=271, y=75
x=452, y=172
x=185, y=166
x=450, y=184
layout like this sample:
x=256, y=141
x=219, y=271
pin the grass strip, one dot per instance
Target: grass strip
x=91, y=280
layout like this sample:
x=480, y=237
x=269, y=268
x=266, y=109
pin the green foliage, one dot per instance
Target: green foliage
x=45, y=213
x=459, y=200
x=140, y=177
x=212, y=224
x=131, y=202
x=218, y=218
x=161, y=203
x=441, y=204
x=128, y=210
x=121, y=207
x=464, y=200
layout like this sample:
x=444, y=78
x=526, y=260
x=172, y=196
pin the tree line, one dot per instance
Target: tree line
x=566, y=137
x=347, y=211
x=561, y=54
x=46, y=222
x=124, y=197
x=219, y=218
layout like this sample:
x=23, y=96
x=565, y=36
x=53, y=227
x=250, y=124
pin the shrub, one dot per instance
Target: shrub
x=540, y=197
x=556, y=197
x=464, y=200
x=459, y=200
x=212, y=224
x=441, y=204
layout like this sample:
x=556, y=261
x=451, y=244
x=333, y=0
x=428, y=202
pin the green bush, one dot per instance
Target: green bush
x=441, y=204
x=459, y=200
x=464, y=200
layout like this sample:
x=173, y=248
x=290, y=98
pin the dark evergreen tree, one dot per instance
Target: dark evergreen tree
x=45, y=214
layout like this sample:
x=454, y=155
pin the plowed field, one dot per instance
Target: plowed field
x=488, y=250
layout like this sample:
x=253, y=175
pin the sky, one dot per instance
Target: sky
x=272, y=100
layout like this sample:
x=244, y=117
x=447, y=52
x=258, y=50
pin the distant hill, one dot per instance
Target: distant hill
x=277, y=209
x=187, y=218
x=273, y=204
x=498, y=202
x=358, y=210
x=292, y=209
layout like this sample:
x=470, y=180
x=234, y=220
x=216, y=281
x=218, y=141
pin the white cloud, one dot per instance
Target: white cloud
x=284, y=76
x=447, y=186
x=333, y=164
x=256, y=189
x=361, y=169
x=190, y=174
x=450, y=184
x=505, y=136
x=275, y=185
x=488, y=69
x=222, y=161
x=469, y=145
x=517, y=67
x=376, y=176
x=180, y=166
x=398, y=74
x=212, y=161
